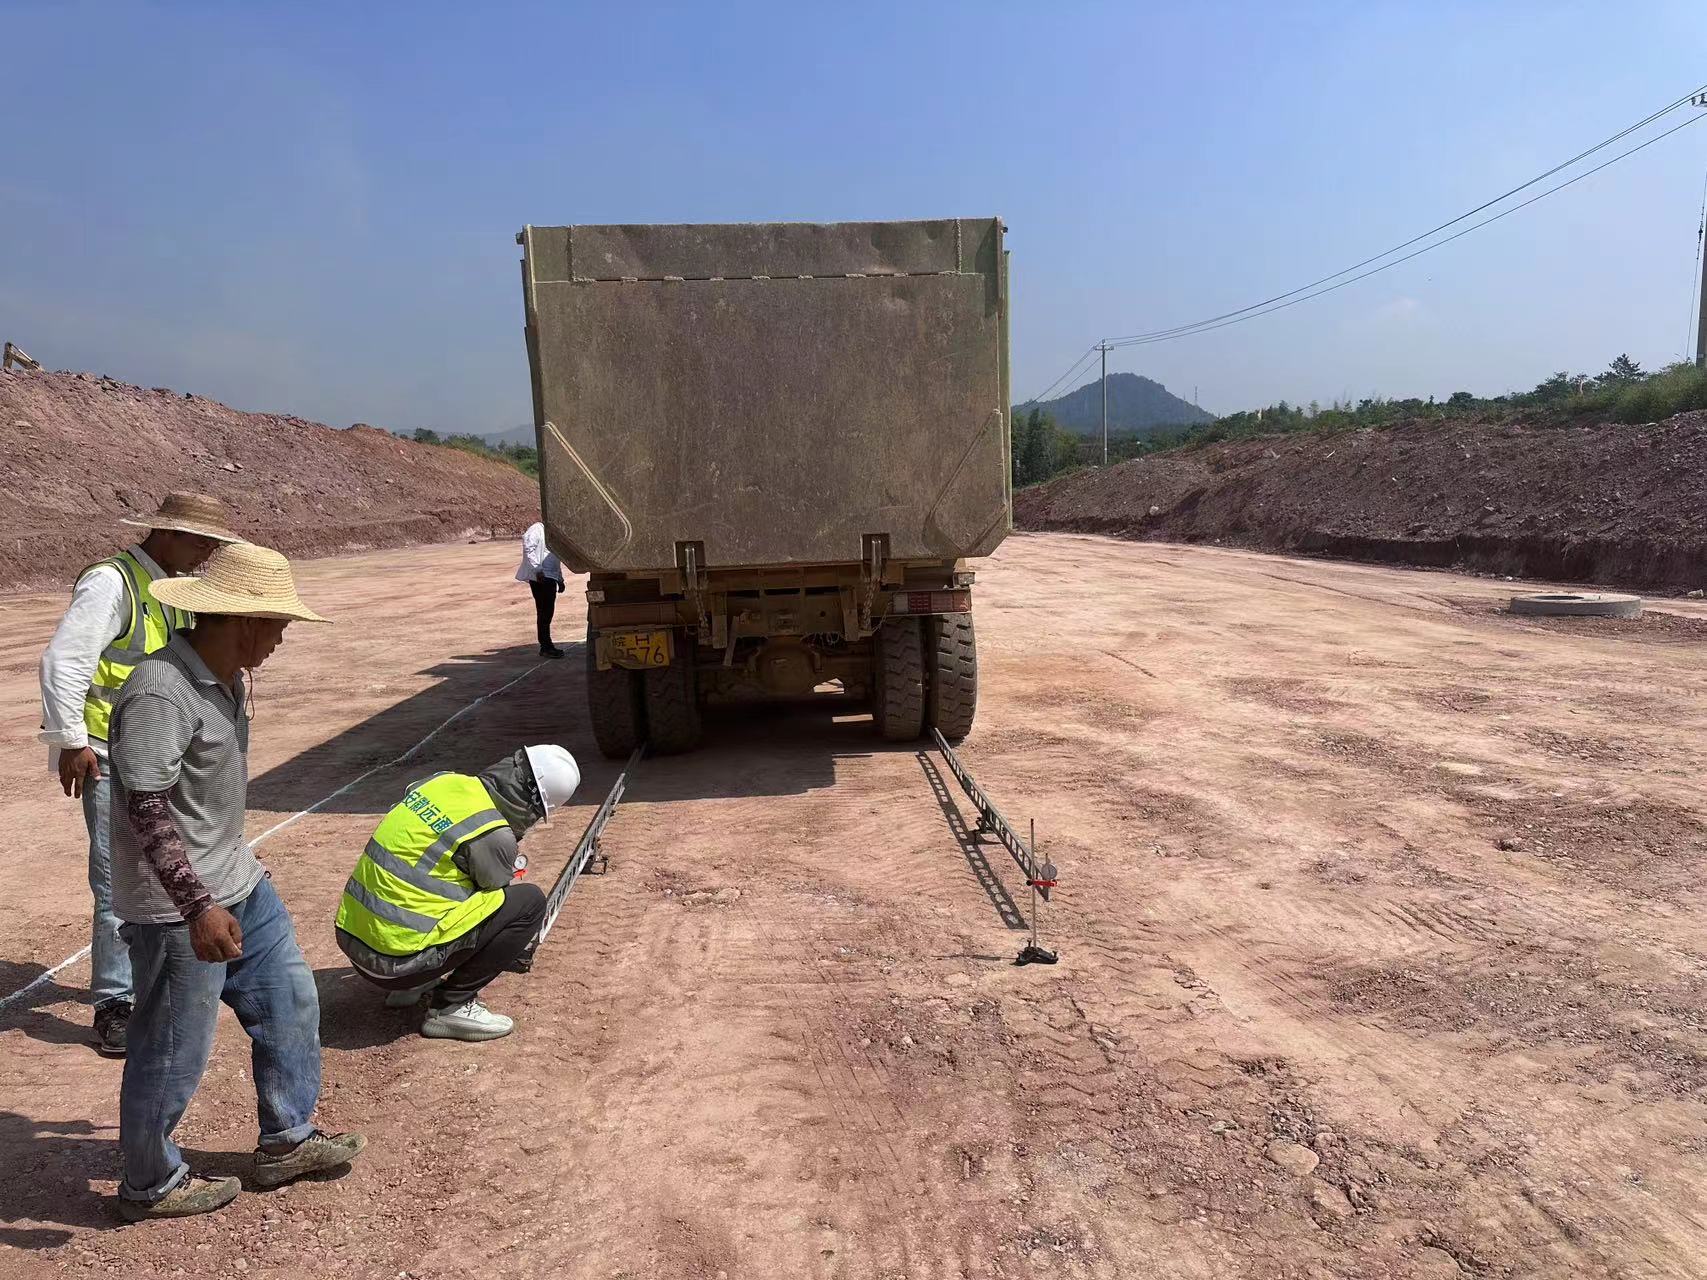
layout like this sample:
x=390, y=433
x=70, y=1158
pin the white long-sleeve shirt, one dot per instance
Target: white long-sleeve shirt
x=98, y=615
x=537, y=559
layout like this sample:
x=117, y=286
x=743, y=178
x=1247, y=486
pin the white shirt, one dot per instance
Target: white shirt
x=98, y=615
x=537, y=561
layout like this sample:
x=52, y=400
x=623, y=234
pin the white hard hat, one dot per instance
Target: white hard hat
x=555, y=773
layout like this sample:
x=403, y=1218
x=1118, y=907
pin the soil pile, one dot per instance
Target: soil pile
x=1595, y=503
x=78, y=452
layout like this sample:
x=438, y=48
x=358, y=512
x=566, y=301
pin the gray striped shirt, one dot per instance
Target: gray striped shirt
x=177, y=729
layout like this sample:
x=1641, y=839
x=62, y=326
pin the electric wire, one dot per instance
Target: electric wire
x=1072, y=370
x=1279, y=302
x=1488, y=204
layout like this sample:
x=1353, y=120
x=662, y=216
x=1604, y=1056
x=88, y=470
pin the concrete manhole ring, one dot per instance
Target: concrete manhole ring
x=1574, y=604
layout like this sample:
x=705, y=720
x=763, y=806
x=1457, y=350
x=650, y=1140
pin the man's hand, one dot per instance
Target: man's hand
x=216, y=936
x=78, y=769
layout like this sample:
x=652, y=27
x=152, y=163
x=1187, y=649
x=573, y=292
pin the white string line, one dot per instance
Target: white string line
x=40, y=978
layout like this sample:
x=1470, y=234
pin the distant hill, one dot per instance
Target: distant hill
x=1134, y=404
x=515, y=435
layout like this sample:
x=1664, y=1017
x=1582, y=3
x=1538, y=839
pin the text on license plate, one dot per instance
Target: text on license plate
x=640, y=648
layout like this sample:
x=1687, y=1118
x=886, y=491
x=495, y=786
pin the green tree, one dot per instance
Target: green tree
x=1063, y=451
x=425, y=435
x=1621, y=370
x=1040, y=447
x=1016, y=459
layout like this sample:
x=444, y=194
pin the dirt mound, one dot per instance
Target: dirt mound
x=79, y=452
x=1608, y=503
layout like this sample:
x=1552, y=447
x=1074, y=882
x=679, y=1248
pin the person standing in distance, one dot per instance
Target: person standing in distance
x=113, y=622
x=543, y=573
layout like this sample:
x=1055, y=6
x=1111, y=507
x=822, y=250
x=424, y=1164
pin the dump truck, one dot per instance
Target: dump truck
x=773, y=448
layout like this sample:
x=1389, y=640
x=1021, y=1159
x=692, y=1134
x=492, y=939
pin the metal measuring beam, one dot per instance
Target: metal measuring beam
x=990, y=818
x=586, y=853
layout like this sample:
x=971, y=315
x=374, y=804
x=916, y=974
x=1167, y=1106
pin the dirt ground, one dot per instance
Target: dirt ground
x=1381, y=935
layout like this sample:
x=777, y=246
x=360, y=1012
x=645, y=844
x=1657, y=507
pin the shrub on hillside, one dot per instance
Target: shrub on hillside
x=1679, y=389
x=523, y=458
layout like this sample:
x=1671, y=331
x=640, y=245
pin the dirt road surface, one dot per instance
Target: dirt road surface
x=1380, y=922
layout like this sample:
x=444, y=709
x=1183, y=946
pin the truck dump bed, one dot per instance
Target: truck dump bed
x=773, y=392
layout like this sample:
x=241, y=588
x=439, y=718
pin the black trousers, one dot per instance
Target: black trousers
x=544, y=605
x=498, y=940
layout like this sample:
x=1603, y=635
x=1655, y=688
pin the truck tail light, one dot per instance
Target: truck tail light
x=925, y=602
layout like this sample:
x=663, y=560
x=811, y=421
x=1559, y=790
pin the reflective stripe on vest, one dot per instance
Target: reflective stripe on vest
x=151, y=626
x=407, y=893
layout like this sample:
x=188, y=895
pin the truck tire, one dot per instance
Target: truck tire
x=613, y=708
x=952, y=648
x=899, y=698
x=672, y=705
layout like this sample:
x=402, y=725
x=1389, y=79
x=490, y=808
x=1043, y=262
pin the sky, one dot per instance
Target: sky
x=311, y=208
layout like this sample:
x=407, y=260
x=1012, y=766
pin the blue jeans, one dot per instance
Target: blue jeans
x=271, y=990
x=109, y=960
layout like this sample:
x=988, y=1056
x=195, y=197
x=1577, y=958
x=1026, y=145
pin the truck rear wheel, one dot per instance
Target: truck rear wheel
x=672, y=705
x=613, y=708
x=900, y=693
x=952, y=649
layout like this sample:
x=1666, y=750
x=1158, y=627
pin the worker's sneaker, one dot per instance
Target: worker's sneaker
x=191, y=1196
x=550, y=651
x=317, y=1152
x=112, y=1028
x=470, y=1021
x=408, y=998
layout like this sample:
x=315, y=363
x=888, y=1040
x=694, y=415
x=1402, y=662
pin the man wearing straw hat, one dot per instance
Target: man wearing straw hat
x=201, y=918
x=113, y=621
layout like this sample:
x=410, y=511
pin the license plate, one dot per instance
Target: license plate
x=639, y=648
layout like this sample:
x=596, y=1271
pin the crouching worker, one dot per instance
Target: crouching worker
x=432, y=907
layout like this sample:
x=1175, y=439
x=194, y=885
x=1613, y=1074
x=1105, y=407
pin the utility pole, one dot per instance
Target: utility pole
x=1103, y=347
x=1701, y=319
x=1700, y=100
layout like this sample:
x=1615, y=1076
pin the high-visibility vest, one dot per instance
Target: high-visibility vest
x=151, y=626
x=407, y=893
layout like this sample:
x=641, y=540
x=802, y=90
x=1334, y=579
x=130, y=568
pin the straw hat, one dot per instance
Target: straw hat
x=191, y=513
x=241, y=580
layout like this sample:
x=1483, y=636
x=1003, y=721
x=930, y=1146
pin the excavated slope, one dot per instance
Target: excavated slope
x=1611, y=504
x=78, y=452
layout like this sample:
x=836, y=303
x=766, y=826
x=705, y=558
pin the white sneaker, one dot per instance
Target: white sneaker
x=407, y=998
x=470, y=1021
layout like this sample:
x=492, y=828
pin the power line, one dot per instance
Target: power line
x=1488, y=204
x=1071, y=371
x=1240, y=317
x=1292, y=297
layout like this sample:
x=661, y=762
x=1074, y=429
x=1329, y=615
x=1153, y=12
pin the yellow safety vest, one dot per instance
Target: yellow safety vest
x=151, y=626
x=407, y=893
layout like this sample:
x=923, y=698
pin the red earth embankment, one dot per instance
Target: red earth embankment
x=1614, y=504
x=78, y=452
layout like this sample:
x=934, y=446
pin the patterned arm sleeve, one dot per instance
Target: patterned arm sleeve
x=164, y=849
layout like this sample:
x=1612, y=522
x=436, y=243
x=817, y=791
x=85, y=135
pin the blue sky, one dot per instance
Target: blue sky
x=311, y=208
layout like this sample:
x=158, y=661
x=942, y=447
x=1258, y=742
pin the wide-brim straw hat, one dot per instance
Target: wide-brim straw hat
x=241, y=580
x=191, y=513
